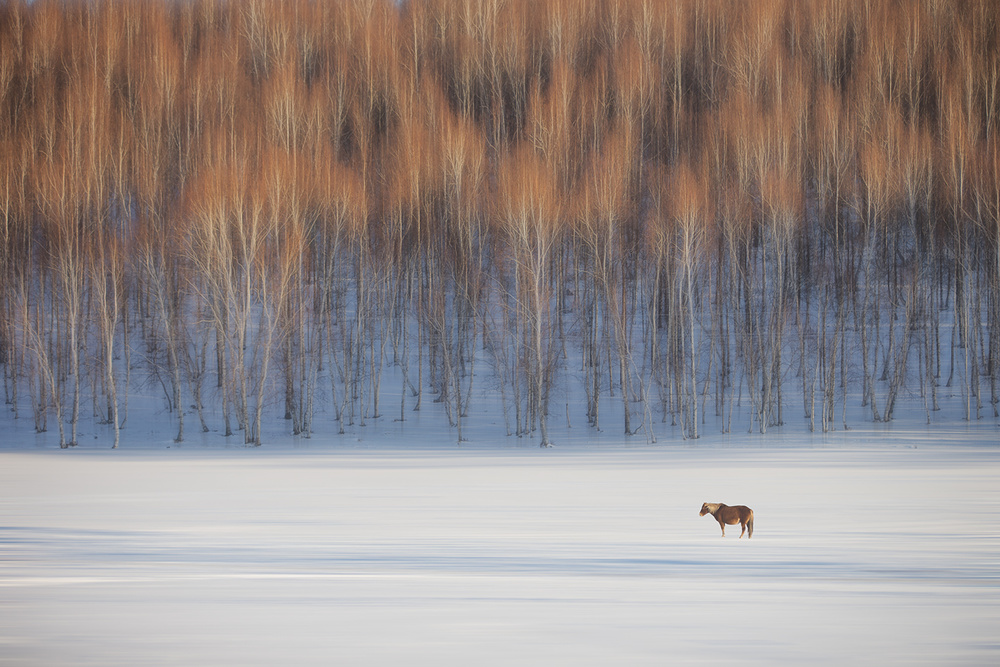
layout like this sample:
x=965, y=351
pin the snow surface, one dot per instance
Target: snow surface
x=866, y=551
x=392, y=544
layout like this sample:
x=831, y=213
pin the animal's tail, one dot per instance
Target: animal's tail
x=750, y=525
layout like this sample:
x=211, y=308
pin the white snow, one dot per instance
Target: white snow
x=393, y=545
x=868, y=549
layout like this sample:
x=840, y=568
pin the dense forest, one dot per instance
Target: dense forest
x=262, y=205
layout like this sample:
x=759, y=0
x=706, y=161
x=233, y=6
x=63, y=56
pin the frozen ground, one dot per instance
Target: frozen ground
x=392, y=545
x=866, y=551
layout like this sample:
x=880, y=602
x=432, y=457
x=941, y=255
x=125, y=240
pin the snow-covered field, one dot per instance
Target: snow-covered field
x=867, y=550
x=391, y=544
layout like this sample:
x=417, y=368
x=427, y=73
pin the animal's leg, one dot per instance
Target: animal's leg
x=723, y=524
x=744, y=526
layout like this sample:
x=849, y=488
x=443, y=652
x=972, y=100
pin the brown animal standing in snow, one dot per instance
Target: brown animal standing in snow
x=740, y=514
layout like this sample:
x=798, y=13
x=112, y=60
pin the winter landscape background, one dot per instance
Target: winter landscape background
x=292, y=292
x=700, y=212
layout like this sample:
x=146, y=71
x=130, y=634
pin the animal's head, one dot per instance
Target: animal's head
x=704, y=509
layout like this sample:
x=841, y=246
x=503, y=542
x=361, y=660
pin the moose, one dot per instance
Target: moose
x=740, y=514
